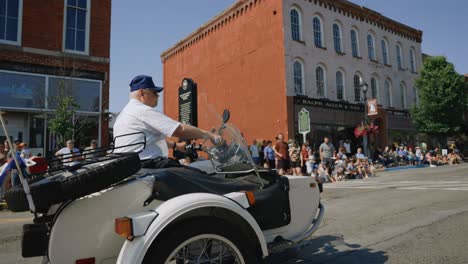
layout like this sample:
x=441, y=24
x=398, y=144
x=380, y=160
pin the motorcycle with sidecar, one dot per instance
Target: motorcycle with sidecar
x=223, y=209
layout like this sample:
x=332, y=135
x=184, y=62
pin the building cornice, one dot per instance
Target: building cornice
x=227, y=16
x=344, y=7
x=53, y=53
x=372, y=17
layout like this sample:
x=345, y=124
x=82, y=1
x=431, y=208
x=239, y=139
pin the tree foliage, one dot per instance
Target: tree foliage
x=62, y=122
x=442, y=99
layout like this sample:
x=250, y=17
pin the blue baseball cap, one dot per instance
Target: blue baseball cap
x=143, y=82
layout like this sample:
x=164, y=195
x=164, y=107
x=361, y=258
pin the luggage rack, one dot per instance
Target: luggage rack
x=57, y=164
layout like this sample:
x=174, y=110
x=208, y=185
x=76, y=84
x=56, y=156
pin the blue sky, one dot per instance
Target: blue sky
x=143, y=29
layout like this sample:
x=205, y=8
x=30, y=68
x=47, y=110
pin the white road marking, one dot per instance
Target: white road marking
x=401, y=185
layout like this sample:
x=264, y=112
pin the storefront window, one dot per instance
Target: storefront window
x=87, y=128
x=21, y=91
x=87, y=94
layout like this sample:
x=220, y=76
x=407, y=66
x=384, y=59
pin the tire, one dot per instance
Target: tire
x=70, y=185
x=181, y=233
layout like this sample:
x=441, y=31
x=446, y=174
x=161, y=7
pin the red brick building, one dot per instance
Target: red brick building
x=49, y=47
x=266, y=60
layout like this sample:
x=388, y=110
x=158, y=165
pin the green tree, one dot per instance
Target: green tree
x=443, y=99
x=61, y=123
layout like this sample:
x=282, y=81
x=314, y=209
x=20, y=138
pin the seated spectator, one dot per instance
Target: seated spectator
x=68, y=154
x=402, y=155
x=361, y=171
x=359, y=154
x=418, y=155
x=379, y=156
x=428, y=158
x=91, y=151
x=338, y=174
x=351, y=168
x=340, y=156
x=411, y=156
x=322, y=173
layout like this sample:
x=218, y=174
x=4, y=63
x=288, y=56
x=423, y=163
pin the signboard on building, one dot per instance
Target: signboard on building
x=328, y=104
x=188, y=113
x=304, y=122
x=372, y=107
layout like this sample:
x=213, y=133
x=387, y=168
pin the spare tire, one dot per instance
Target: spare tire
x=70, y=185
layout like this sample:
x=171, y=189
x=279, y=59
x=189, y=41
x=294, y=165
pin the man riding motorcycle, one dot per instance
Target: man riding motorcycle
x=139, y=118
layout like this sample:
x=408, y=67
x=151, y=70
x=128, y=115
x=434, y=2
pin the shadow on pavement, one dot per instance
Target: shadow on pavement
x=333, y=249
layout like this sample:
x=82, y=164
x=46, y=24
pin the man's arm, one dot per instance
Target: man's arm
x=276, y=151
x=190, y=132
x=174, y=145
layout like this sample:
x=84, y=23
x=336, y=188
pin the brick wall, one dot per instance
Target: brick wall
x=43, y=26
x=42, y=30
x=238, y=63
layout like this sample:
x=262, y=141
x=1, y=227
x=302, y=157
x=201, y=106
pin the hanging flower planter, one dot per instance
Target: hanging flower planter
x=367, y=129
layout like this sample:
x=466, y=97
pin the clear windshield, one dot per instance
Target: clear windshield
x=233, y=149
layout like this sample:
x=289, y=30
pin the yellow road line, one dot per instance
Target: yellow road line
x=15, y=220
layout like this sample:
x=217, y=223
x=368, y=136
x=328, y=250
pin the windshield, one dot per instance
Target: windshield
x=233, y=149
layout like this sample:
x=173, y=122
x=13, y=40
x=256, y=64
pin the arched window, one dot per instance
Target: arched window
x=354, y=43
x=317, y=32
x=320, y=79
x=403, y=95
x=399, y=57
x=339, y=86
x=374, y=88
x=357, y=88
x=337, y=38
x=298, y=78
x=370, y=47
x=384, y=51
x=412, y=60
x=388, y=94
x=295, y=25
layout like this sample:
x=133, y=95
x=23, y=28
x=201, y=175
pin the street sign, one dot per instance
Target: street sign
x=304, y=123
x=372, y=107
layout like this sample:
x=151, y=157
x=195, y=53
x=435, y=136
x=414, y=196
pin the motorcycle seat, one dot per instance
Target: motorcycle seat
x=172, y=182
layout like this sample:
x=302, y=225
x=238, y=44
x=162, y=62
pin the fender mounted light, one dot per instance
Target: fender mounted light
x=124, y=227
x=250, y=197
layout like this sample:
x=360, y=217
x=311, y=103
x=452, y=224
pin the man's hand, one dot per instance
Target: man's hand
x=181, y=146
x=216, y=139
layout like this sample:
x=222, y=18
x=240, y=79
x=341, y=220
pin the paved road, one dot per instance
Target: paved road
x=406, y=216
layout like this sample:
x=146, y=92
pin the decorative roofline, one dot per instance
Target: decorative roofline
x=225, y=17
x=340, y=6
x=372, y=17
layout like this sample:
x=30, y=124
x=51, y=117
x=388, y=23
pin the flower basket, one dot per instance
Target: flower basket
x=363, y=130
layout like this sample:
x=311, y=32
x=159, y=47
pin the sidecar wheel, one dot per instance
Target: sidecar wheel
x=201, y=241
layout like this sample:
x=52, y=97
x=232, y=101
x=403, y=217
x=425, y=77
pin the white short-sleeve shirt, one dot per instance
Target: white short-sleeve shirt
x=68, y=154
x=138, y=117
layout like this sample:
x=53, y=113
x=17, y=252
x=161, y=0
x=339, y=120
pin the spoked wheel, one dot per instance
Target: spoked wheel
x=203, y=249
x=202, y=242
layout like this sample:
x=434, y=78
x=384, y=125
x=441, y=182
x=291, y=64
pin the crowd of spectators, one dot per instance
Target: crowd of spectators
x=329, y=164
x=417, y=155
x=326, y=163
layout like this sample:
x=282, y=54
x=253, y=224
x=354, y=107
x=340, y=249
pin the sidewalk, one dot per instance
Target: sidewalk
x=406, y=167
